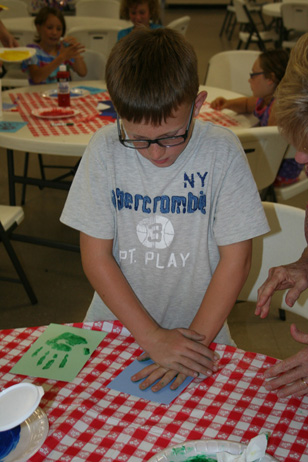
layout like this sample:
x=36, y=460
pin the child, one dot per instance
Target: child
x=166, y=207
x=52, y=50
x=267, y=72
x=139, y=12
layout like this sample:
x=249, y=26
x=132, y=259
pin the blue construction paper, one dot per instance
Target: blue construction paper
x=92, y=90
x=8, y=106
x=111, y=112
x=11, y=127
x=124, y=384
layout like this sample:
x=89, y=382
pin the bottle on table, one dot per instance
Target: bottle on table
x=63, y=77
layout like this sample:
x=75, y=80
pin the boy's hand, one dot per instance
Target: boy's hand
x=177, y=351
x=155, y=372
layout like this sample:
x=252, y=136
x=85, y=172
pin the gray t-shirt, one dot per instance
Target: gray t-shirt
x=166, y=223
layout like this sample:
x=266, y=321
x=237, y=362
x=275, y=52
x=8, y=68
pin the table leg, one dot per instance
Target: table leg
x=11, y=174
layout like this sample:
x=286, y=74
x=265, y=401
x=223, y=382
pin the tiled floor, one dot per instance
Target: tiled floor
x=57, y=277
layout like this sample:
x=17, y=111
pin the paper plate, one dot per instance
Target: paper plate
x=55, y=112
x=32, y=434
x=17, y=403
x=74, y=92
x=202, y=451
x=16, y=55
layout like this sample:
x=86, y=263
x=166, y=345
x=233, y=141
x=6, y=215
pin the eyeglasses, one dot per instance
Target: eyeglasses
x=253, y=74
x=167, y=142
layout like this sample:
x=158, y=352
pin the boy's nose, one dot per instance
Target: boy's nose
x=156, y=152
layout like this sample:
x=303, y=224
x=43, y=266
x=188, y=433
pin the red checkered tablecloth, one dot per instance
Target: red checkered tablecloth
x=88, y=120
x=89, y=422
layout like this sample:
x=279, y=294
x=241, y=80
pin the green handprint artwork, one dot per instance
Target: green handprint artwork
x=62, y=343
x=59, y=353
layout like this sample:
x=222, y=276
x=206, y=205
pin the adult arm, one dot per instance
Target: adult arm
x=290, y=377
x=177, y=349
x=243, y=105
x=6, y=37
x=220, y=297
x=293, y=276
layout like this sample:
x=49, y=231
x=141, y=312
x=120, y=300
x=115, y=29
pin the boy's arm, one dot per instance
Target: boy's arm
x=176, y=349
x=220, y=297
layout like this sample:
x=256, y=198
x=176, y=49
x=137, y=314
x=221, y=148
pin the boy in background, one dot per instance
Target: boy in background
x=167, y=208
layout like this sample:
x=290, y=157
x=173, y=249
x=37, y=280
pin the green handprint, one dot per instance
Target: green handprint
x=62, y=343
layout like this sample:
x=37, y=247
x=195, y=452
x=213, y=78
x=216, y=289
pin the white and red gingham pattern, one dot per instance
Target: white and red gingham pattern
x=89, y=422
x=216, y=117
x=87, y=122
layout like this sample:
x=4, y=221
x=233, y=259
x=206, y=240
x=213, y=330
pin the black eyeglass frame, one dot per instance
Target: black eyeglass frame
x=156, y=141
x=253, y=74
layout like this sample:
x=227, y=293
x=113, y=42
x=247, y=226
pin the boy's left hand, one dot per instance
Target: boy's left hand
x=156, y=372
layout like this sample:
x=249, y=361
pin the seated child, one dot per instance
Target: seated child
x=139, y=12
x=167, y=208
x=267, y=72
x=52, y=49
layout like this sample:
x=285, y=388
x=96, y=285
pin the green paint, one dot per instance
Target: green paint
x=199, y=458
x=59, y=353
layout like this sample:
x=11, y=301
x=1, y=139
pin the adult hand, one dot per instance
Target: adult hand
x=6, y=38
x=293, y=276
x=290, y=376
x=177, y=352
x=219, y=103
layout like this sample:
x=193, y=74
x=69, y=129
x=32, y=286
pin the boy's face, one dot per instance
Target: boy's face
x=173, y=126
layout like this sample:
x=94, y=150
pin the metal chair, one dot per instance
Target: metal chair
x=265, y=149
x=252, y=33
x=230, y=70
x=180, y=24
x=295, y=21
x=283, y=244
x=98, y=8
x=10, y=218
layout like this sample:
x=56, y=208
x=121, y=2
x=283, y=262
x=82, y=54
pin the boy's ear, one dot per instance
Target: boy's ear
x=201, y=97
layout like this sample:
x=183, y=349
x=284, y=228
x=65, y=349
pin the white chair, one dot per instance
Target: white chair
x=283, y=244
x=230, y=70
x=265, y=149
x=95, y=63
x=98, y=8
x=252, y=34
x=180, y=24
x=95, y=38
x=16, y=9
x=10, y=218
x=295, y=21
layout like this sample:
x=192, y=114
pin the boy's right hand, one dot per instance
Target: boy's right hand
x=219, y=103
x=181, y=350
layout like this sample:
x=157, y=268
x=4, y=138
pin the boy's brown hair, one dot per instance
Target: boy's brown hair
x=153, y=9
x=150, y=73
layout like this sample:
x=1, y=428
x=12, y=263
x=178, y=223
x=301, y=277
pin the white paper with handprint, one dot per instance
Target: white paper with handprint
x=59, y=353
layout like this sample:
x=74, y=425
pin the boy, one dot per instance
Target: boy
x=167, y=208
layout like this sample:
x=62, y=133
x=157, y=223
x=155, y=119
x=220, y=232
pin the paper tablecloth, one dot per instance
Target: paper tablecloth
x=89, y=422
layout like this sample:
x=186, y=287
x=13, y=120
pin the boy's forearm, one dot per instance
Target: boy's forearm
x=221, y=295
x=109, y=282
